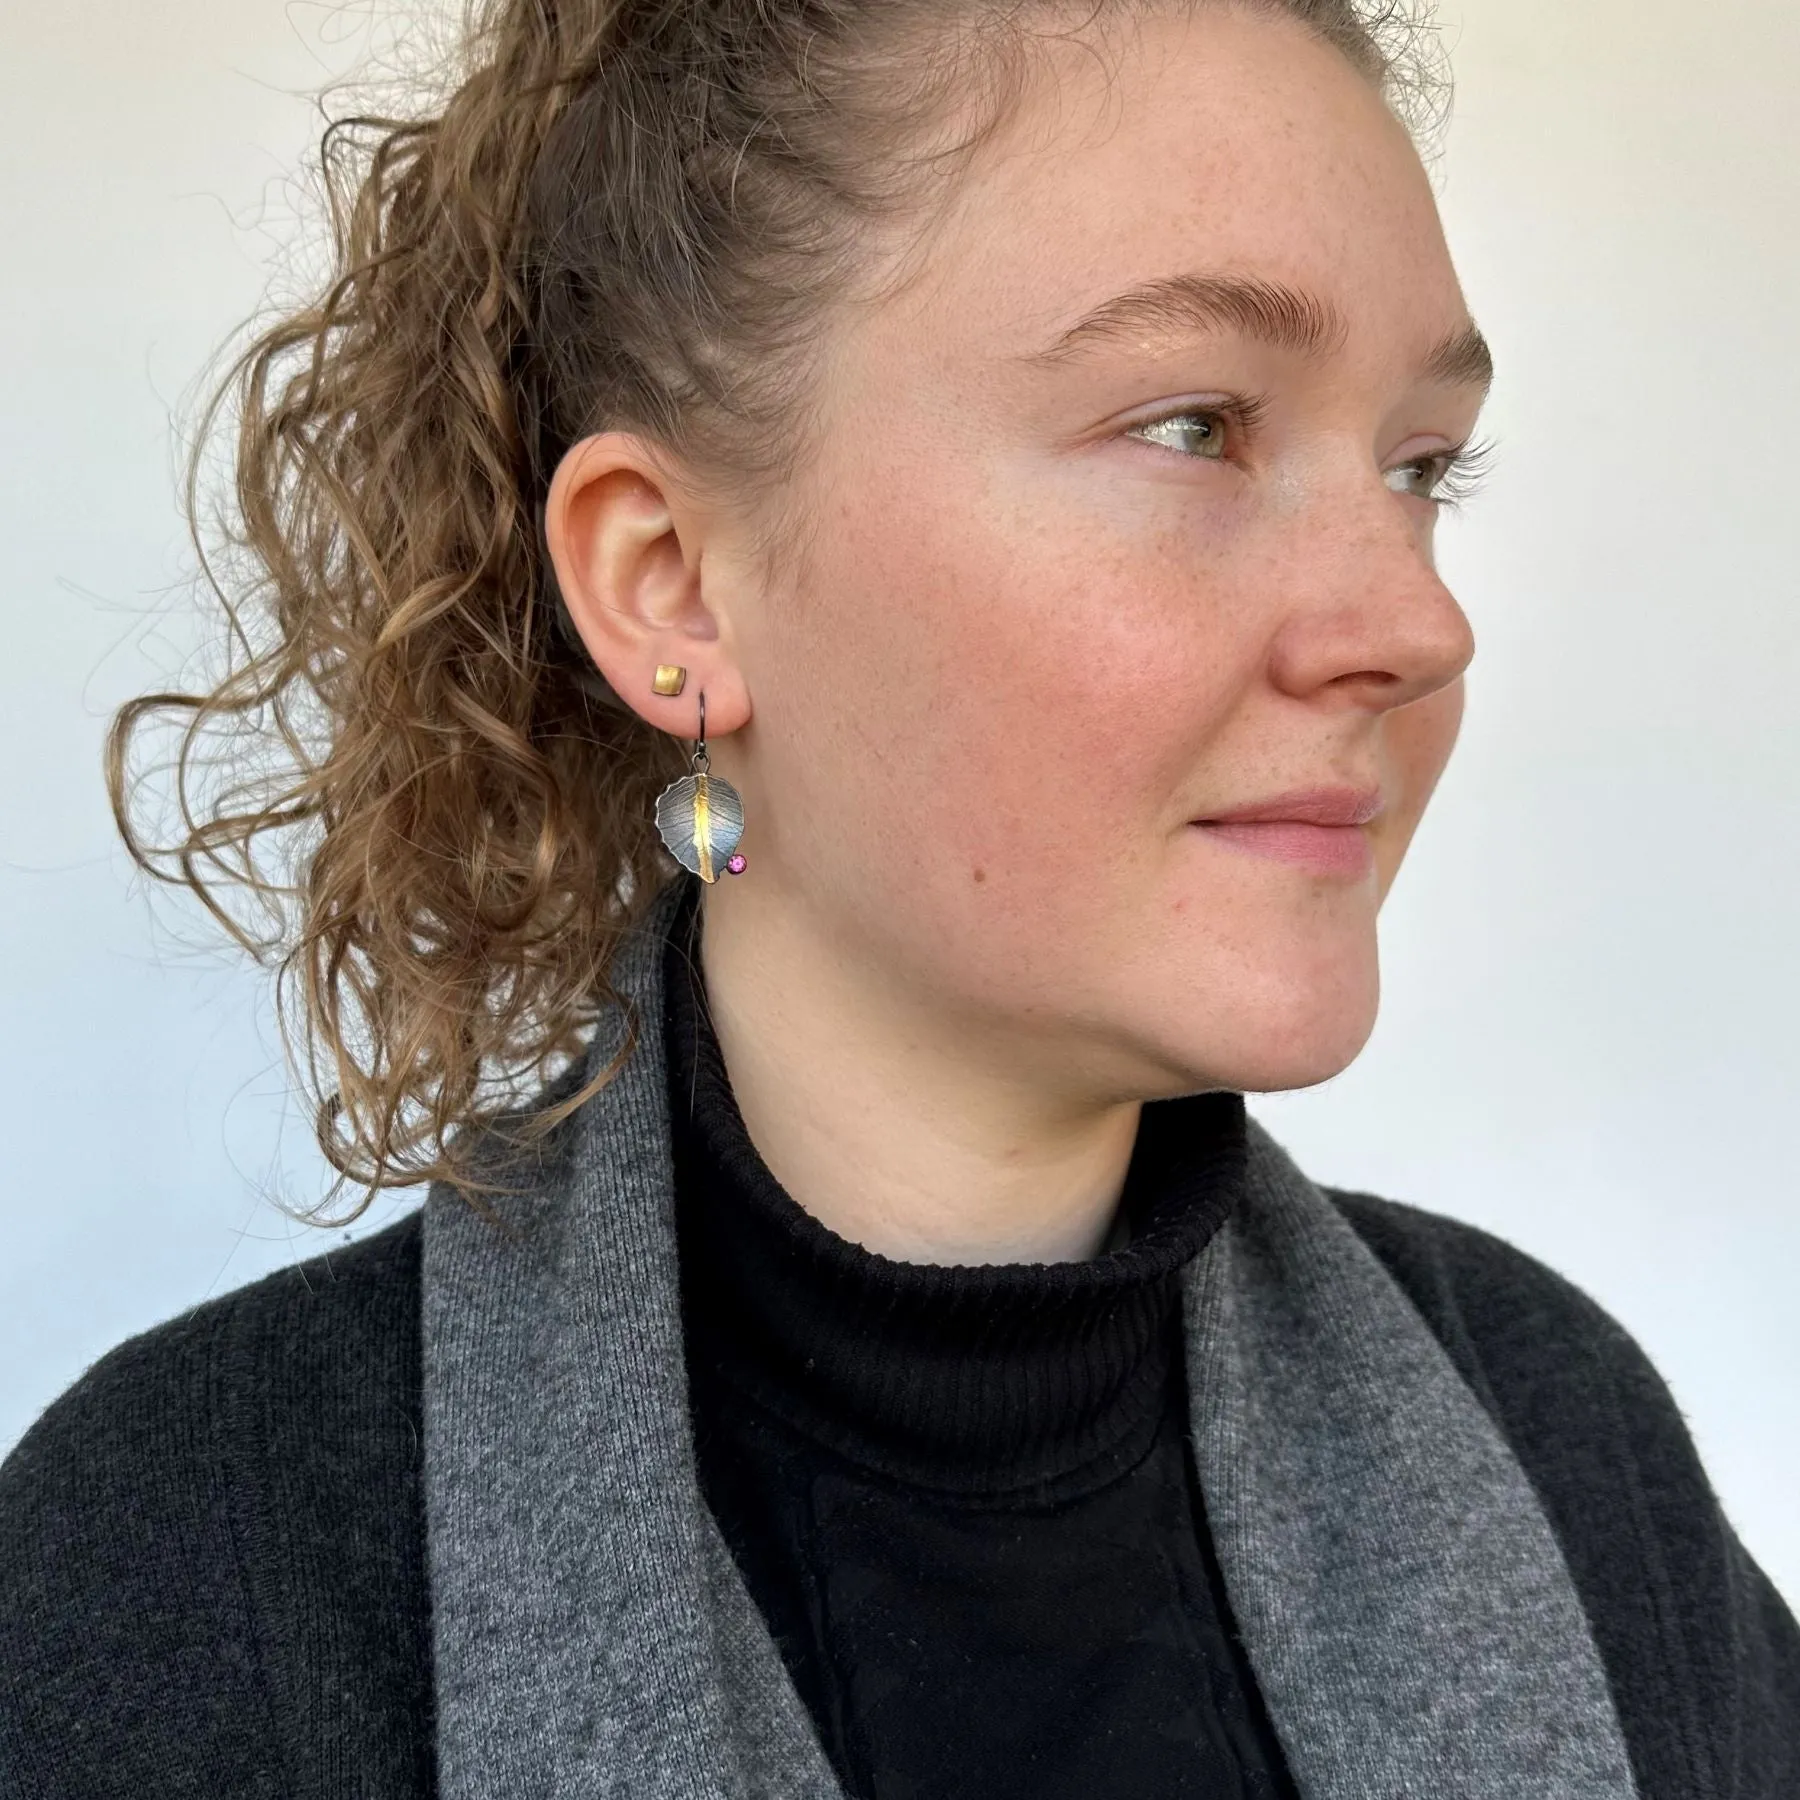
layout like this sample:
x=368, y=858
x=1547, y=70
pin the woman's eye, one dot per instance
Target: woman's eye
x=1191, y=433
x=1421, y=476
x=1444, y=477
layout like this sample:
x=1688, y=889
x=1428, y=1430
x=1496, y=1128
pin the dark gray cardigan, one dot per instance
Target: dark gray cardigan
x=214, y=1548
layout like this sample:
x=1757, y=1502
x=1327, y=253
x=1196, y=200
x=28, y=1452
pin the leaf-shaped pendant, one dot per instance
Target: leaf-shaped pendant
x=701, y=818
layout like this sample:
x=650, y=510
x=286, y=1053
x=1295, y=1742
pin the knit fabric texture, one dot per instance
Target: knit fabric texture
x=1404, y=1601
x=212, y=1545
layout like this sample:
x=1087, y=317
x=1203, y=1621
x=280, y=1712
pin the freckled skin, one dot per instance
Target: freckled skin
x=1024, y=648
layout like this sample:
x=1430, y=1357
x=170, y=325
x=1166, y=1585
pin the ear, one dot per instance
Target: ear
x=624, y=539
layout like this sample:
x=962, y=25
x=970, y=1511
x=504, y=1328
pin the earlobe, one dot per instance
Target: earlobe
x=613, y=527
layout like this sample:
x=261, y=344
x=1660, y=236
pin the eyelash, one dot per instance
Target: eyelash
x=1462, y=470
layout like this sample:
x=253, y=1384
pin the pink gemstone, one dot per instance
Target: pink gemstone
x=736, y=864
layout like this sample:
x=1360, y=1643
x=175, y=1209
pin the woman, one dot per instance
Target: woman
x=856, y=1341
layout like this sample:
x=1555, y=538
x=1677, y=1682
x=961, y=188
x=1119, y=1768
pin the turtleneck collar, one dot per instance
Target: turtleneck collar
x=977, y=1381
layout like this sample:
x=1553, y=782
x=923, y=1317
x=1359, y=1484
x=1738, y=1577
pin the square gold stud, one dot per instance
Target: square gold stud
x=669, y=678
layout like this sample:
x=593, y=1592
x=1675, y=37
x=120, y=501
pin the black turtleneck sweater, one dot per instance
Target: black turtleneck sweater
x=963, y=1497
x=214, y=1580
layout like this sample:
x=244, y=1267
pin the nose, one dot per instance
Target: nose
x=1368, y=616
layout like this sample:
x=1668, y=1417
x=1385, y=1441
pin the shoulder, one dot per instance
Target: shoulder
x=1571, y=1388
x=1488, y=1300
x=214, y=1502
x=298, y=1343
x=1703, y=1655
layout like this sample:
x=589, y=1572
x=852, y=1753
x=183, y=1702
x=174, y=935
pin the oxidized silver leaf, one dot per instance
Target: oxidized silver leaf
x=701, y=818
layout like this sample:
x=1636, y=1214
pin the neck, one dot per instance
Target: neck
x=920, y=1133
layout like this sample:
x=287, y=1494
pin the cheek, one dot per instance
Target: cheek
x=1035, y=709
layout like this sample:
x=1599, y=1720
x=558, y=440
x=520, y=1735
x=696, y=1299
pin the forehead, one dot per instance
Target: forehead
x=1211, y=137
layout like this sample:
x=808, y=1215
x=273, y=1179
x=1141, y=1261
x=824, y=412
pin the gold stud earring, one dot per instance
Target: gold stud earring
x=669, y=678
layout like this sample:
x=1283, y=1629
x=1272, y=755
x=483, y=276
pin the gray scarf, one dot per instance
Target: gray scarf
x=1406, y=1609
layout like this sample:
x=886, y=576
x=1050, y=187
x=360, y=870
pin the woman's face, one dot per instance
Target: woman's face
x=1067, y=594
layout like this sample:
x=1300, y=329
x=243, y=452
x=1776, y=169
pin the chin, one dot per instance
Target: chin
x=1273, y=1034
x=1275, y=1069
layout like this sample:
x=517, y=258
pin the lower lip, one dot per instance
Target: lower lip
x=1330, y=849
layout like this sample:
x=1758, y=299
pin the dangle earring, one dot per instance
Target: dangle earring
x=701, y=816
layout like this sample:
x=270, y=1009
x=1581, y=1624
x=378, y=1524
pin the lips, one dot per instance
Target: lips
x=1320, y=828
x=1332, y=806
x=1328, y=849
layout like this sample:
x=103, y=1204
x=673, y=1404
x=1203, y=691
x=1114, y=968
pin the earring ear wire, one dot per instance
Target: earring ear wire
x=701, y=817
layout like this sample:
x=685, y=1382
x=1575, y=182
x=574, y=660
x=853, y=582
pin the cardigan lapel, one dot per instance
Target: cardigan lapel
x=591, y=1634
x=1405, y=1607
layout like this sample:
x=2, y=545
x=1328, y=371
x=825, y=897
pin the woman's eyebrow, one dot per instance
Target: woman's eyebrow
x=1462, y=360
x=1176, y=305
x=1287, y=317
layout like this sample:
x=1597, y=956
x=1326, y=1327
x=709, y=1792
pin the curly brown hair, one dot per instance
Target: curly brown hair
x=607, y=214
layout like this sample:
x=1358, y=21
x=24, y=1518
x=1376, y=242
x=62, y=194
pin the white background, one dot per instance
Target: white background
x=1591, y=974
